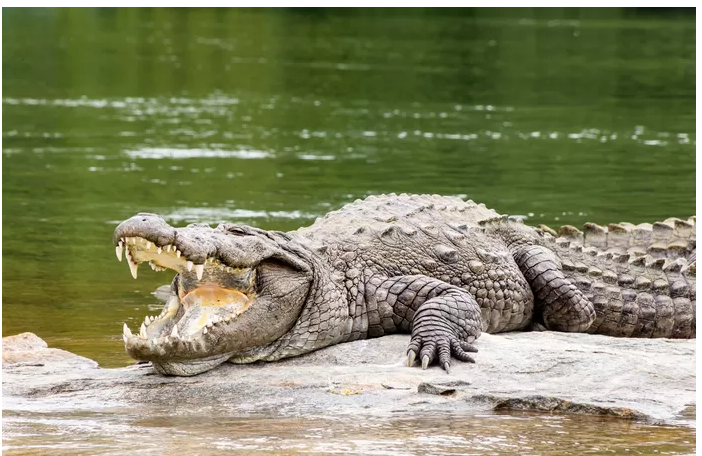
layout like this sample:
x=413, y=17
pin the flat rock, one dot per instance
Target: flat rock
x=547, y=372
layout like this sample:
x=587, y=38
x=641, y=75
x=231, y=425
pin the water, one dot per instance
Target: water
x=171, y=432
x=275, y=117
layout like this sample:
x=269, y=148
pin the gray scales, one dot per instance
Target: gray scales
x=440, y=268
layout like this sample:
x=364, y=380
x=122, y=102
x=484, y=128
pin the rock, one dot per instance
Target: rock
x=23, y=343
x=437, y=389
x=27, y=349
x=538, y=403
x=442, y=387
x=163, y=292
x=547, y=372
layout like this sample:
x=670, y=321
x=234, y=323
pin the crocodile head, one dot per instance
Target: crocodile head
x=237, y=289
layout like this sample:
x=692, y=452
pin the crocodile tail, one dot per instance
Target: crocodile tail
x=633, y=296
x=672, y=238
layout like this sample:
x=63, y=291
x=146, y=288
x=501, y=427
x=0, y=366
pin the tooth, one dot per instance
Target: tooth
x=126, y=331
x=189, y=264
x=148, y=244
x=174, y=333
x=159, y=250
x=151, y=319
x=142, y=330
x=168, y=248
x=132, y=266
x=118, y=251
x=147, y=322
x=199, y=270
x=204, y=330
x=178, y=253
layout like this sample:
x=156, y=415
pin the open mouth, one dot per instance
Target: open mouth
x=204, y=297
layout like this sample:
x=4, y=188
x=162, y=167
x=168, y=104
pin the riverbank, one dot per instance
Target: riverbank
x=652, y=380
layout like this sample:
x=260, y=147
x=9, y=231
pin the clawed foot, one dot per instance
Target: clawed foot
x=438, y=345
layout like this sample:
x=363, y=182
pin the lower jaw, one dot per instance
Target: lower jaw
x=190, y=367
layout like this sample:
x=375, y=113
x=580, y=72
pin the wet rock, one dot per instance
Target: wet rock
x=689, y=412
x=547, y=372
x=538, y=403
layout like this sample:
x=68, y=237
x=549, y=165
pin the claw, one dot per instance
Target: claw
x=466, y=346
x=411, y=355
x=447, y=368
x=425, y=361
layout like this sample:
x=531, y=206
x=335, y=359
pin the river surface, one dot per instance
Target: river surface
x=158, y=432
x=274, y=117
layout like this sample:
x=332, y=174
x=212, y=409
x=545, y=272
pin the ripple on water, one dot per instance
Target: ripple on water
x=223, y=215
x=314, y=157
x=186, y=432
x=163, y=152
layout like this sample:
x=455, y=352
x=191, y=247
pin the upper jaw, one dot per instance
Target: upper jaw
x=154, y=241
x=138, y=250
x=236, y=246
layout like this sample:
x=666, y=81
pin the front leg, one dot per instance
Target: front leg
x=443, y=319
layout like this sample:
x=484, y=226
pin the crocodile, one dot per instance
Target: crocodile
x=440, y=268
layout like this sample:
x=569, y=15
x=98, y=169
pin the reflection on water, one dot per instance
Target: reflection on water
x=171, y=433
x=195, y=153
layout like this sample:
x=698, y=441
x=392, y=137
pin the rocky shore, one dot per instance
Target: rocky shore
x=539, y=371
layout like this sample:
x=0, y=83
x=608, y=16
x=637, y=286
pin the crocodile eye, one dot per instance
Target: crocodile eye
x=237, y=231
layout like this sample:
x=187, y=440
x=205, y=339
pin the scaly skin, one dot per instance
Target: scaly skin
x=439, y=268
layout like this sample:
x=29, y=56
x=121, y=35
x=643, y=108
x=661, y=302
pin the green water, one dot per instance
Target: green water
x=272, y=118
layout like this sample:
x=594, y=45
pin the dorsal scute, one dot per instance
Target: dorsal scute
x=671, y=238
x=376, y=213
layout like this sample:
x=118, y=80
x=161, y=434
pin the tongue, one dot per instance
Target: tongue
x=208, y=303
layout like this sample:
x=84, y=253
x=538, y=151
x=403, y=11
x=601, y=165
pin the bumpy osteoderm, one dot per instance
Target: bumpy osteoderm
x=440, y=268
